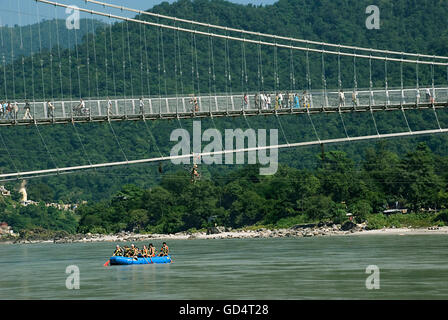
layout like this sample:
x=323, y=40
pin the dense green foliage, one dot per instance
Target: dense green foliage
x=26, y=150
x=38, y=219
x=416, y=181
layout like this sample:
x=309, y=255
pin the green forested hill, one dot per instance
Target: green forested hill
x=120, y=54
x=415, y=26
x=17, y=41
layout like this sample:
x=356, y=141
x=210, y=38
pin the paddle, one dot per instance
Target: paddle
x=147, y=260
x=107, y=263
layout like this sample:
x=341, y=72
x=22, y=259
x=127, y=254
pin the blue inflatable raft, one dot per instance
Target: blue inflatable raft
x=140, y=260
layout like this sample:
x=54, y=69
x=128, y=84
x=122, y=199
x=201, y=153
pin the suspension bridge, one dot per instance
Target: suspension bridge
x=43, y=105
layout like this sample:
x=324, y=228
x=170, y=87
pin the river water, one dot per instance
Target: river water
x=409, y=267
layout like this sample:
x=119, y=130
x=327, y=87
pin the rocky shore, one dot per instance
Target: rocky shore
x=298, y=231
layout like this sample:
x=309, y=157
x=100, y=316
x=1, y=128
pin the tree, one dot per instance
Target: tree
x=420, y=185
x=318, y=207
x=337, y=175
x=137, y=219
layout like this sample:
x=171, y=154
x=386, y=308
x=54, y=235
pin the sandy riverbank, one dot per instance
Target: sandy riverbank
x=222, y=233
x=404, y=231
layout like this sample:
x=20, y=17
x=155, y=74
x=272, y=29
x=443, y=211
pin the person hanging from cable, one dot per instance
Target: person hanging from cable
x=160, y=168
x=194, y=171
x=27, y=111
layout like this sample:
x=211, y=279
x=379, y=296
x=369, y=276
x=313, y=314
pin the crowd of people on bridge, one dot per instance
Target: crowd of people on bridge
x=8, y=110
x=282, y=100
x=147, y=251
x=263, y=101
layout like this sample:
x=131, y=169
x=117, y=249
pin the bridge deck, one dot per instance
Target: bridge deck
x=218, y=114
x=220, y=106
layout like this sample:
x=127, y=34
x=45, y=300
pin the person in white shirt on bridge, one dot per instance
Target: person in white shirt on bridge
x=428, y=95
x=355, y=98
x=50, y=110
x=142, y=106
x=15, y=109
x=341, y=98
x=27, y=111
x=280, y=100
x=109, y=107
x=264, y=101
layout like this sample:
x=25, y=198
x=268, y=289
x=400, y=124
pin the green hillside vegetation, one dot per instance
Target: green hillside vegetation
x=405, y=26
x=131, y=60
x=36, y=222
x=22, y=41
x=417, y=181
x=26, y=150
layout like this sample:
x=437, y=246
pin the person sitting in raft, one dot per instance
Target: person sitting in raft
x=164, y=251
x=145, y=252
x=151, y=250
x=119, y=252
x=134, y=251
x=127, y=252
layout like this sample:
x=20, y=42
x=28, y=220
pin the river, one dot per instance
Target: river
x=409, y=267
